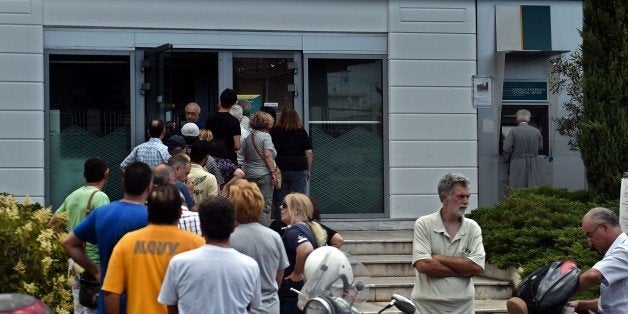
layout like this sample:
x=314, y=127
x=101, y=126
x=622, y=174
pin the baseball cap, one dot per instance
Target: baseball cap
x=190, y=129
x=176, y=142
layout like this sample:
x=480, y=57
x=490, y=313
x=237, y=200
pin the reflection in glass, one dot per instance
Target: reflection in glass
x=345, y=110
x=89, y=117
x=268, y=77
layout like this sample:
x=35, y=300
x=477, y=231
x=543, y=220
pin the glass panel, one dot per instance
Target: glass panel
x=345, y=106
x=177, y=78
x=269, y=78
x=89, y=116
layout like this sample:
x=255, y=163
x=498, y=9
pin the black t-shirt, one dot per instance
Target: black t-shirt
x=291, y=147
x=224, y=127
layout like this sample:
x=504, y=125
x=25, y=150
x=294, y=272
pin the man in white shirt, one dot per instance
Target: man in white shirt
x=601, y=227
x=213, y=278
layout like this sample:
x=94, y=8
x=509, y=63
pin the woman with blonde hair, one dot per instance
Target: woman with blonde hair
x=260, y=243
x=259, y=160
x=300, y=238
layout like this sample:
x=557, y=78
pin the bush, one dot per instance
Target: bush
x=32, y=259
x=534, y=227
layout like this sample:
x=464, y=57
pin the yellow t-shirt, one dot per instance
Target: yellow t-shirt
x=139, y=261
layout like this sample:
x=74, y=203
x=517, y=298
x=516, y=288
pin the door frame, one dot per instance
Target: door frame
x=132, y=103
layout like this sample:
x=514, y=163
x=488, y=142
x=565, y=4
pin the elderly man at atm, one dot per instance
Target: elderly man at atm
x=521, y=148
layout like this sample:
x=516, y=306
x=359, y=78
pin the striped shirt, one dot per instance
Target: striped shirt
x=189, y=221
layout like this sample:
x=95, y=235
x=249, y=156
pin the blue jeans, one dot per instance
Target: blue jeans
x=291, y=181
x=289, y=306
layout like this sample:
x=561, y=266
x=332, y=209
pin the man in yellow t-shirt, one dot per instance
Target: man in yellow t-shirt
x=139, y=260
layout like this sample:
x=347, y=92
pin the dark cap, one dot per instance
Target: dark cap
x=176, y=142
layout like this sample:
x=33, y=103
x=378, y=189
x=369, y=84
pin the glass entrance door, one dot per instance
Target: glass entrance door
x=345, y=98
x=266, y=78
x=89, y=116
x=175, y=77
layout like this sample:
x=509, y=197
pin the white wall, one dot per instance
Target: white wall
x=21, y=99
x=432, y=125
x=276, y=15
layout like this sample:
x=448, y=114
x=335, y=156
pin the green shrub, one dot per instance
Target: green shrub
x=534, y=227
x=32, y=259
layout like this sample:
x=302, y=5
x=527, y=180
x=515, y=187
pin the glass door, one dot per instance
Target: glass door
x=89, y=116
x=345, y=118
x=267, y=78
x=175, y=77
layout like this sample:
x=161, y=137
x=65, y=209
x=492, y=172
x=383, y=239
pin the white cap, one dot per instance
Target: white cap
x=190, y=129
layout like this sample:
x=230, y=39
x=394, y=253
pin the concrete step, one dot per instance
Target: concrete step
x=377, y=242
x=481, y=306
x=387, y=265
x=381, y=288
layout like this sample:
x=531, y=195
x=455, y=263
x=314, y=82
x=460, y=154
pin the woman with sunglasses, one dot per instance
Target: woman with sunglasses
x=300, y=238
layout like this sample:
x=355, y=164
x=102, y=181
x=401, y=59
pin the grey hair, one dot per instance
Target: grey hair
x=246, y=106
x=195, y=105
x=236, y=111
x=522, y=115
x=447, y=183
x=162, y=173
x=601, y=214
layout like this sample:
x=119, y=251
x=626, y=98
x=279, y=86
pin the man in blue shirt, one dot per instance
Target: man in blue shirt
x=107, y=224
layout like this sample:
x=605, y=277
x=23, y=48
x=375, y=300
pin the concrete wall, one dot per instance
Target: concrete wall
x=432, y=56
x=21, y=99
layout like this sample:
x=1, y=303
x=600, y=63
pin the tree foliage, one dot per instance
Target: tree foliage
x=567, y=77
x=603, y=137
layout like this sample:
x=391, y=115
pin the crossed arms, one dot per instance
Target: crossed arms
x=447, y=266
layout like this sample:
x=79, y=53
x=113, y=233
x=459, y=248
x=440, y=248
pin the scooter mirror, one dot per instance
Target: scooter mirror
x=403, y=304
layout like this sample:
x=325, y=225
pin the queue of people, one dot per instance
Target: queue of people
x=146, y=249
x=182, y=240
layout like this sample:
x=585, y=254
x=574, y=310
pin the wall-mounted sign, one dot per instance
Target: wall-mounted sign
x=482, y=91
x=524, y=91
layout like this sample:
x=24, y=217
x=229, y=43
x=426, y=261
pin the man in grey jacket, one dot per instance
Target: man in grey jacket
x=521, y=148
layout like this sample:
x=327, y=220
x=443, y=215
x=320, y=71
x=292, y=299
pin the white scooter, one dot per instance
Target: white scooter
x=335, y=285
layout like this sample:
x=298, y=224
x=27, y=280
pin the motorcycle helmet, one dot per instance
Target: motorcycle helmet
x=332, y=263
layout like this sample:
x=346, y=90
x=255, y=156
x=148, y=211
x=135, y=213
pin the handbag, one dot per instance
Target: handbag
x=89, y=288
x=277, y=172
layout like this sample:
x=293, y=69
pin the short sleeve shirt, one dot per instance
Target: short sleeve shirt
x=430, y=237
x=291, y=147
x=76, y=207
x=293, y=236
x=614, y=269
x=224, y=126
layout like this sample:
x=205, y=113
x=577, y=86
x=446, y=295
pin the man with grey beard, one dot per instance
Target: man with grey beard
x=447, y=251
